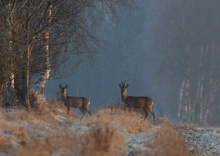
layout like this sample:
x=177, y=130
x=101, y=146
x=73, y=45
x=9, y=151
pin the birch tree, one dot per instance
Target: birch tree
x=7, y=56
x=45, y=75
x=200, y=86
x=184, y=106
x=46, y=33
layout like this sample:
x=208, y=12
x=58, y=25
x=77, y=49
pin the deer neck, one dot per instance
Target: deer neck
x=64, y=96
x=124, y=96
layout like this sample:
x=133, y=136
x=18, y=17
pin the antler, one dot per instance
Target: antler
x=63, y=87
x=123, y=84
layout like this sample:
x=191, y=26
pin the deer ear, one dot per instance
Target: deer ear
x=119, y=85
x=66, y=86
x=60, y=86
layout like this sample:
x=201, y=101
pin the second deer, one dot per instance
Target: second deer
x=145, y=103
x=76, y=102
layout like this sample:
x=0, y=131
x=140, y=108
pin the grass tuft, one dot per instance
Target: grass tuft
x=47, y=130
x=105, y=140
x=67, y=144
x=132, y=121
x=168, y=141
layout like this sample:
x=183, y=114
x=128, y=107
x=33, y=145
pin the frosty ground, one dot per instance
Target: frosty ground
x=200, y=141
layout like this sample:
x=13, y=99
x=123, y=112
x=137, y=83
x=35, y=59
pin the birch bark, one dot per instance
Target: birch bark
x=46, y=74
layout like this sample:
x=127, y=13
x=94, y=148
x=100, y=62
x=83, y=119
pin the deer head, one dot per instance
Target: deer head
x=63, y=90
x=123, y=86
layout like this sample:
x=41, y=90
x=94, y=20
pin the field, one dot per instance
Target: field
x=47, y=130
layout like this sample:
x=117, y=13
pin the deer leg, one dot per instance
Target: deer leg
x=83, y=112
x=88, y=111
x=146, y=113
x=68, y=109
x=125, y=107
x=152, y=112
x=130, y=109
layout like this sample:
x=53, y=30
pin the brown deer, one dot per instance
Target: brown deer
x=76, y=102
x=145, y=103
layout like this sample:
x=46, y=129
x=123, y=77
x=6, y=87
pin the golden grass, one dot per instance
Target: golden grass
x=40, y=106
x=5, y=143
x=168, y=142
x=12, y=129
x=67, y=144
x=10, y=133
x=103, y=140
x=132, y=121
x=47, y=130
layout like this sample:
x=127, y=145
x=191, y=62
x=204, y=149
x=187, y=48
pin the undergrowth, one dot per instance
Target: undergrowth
x=47, y=130
x=168, y=141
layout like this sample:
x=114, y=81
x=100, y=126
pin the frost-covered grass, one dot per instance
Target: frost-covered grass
x=47, y=130
x=168, y=141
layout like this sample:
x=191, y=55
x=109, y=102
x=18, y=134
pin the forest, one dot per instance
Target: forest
x=42, y=41
x=55, y=54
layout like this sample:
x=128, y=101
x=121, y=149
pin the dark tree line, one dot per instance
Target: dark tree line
x=190, y=36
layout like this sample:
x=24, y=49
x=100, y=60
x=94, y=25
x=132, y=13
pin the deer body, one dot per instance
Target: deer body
x=143, y=102
x=137, y=102
x=76, y=102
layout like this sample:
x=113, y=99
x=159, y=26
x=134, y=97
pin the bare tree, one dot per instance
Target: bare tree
x=46, y=33
x=200, y=85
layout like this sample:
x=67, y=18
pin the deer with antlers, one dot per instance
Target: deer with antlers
x=76, y=102
x=145, y=103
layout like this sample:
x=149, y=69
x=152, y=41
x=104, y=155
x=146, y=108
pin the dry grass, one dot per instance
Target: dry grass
x=10, y=133
x=5, y=143
x=168, y=141
x=67, y=144
x=132, y=121
x=40, y=106
x=50, y=118
x=103, y=140
x=47, y=130
x=19, y=126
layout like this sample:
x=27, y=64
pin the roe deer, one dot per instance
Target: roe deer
x=76, y=102
x=145, y=103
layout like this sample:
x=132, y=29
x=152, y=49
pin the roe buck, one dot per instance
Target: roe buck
x=76, y=102
x=145, y=103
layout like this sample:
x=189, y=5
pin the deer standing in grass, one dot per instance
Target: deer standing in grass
x=76, y=102
x=145, y=103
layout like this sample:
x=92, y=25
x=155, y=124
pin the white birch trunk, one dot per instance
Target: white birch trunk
x=186, y=104
x=187, y=101
x=203, y=101
x=46, y=74
x=181, y=101
x=197, y=98
x=213, y=88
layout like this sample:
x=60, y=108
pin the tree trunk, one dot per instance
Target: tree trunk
x=180, y=111
x=46, y=74
x=8, y=86
x=26, y=78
